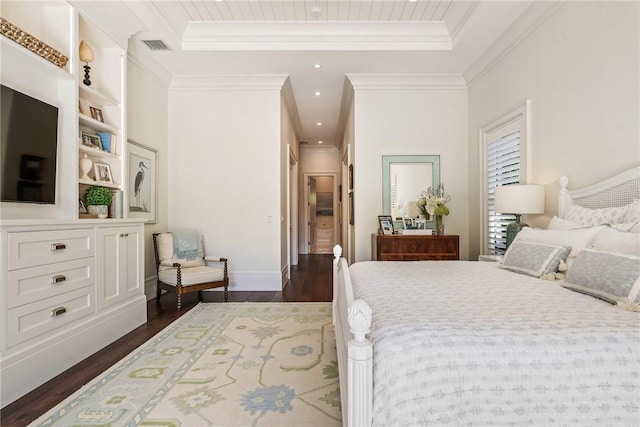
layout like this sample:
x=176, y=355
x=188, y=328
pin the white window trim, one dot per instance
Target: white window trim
x=521, y=117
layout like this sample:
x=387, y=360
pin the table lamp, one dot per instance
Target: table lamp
x=86, y=56
x=518, y=199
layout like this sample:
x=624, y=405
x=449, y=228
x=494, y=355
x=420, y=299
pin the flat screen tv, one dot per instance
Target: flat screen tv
x=29, y=148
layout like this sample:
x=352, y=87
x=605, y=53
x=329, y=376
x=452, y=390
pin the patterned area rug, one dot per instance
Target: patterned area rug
x=231, y=364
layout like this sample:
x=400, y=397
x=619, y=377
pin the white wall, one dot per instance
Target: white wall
x=224, y=172
x=288, y=147
x=147, y=117
x=580, y=69
x=408, y=115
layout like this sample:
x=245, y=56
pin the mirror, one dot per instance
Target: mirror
x=403, y=178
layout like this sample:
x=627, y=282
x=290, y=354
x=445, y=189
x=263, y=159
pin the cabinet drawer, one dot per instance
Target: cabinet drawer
x=32, y=284
x=38, y=318
x=28, y=249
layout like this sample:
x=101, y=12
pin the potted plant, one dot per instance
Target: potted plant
x=98, y=199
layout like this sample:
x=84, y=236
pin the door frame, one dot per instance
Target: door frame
x=304, y=246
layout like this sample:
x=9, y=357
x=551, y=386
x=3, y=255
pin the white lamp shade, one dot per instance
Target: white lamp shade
x=519, y=199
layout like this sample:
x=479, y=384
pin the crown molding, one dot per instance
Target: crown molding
x=520, y=30
x=406, y=81
x=318, y=35
x=228, y=82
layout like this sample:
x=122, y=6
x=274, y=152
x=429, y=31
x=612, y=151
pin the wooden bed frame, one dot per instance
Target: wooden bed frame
x=352, y=318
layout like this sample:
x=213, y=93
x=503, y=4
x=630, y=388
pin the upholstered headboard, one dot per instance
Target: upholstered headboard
x=619, y=190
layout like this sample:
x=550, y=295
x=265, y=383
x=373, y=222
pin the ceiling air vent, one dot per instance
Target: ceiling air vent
x=156, y=44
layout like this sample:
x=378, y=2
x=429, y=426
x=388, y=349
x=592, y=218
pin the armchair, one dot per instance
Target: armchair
x=184, y=276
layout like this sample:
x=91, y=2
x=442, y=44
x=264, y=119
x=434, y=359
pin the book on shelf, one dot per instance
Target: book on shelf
x=108, y=141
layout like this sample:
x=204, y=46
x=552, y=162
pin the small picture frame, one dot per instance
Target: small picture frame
x=91, y=140
x=81, y=207
x=408, y=223
x=103, y=172
x=96, y=114
x=386, y=224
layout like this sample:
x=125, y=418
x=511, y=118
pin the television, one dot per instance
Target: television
x=29, y=148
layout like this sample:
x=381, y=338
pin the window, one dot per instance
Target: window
x=503, y=168
x=504, y=162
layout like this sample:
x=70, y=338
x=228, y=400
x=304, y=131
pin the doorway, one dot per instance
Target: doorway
x=321, y=226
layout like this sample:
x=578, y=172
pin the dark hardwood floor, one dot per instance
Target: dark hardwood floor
x=311, y=280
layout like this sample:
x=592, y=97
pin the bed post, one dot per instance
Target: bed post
x=563, y=196
x=360, y=354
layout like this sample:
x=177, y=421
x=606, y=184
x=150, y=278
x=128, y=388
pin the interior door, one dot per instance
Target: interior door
x=312, y=215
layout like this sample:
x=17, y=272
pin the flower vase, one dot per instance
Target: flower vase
x=439, y=225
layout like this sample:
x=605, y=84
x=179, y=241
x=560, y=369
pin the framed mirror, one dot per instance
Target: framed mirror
x=403, y=178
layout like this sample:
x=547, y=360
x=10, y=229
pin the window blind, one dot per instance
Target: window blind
x=503, y=168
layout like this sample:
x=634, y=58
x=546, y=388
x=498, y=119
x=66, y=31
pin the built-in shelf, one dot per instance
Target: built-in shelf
x=92, y=152
x=96, y=124
x=92, y=95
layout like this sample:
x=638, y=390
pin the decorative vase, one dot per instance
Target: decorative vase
x=85, y=166
x=101, y=210
x=439, y=225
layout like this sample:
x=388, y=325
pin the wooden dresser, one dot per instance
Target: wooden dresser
x=415, y=247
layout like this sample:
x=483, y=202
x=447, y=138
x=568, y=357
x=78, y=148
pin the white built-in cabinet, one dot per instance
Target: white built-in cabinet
x=69, y=285
x=120, y=250
x=69, y=288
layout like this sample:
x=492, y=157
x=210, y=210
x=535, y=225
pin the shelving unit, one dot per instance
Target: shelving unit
x=104, y=95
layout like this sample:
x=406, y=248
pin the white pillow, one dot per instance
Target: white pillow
x=561, y=224
x=612, y=240
x=632, y=216
x=578, y=239
x=591, y=217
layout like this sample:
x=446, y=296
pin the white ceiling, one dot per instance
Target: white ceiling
x=346, y=37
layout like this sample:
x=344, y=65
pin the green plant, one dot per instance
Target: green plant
x=95, y=196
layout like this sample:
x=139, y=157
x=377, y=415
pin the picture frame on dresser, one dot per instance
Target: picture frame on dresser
x=386, y=224
x=142, y=165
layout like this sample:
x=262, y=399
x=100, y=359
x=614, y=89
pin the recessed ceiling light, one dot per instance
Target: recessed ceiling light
x=319, y=142
x=319, y=123
x=317, y=65
x=317, y=94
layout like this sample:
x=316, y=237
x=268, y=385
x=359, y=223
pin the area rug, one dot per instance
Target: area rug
x=221, y=364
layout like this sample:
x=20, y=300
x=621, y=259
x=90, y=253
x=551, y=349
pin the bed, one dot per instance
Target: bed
x=478, y=343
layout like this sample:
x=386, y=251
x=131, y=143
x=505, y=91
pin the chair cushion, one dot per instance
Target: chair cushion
x=192, y=275
x=165, y=253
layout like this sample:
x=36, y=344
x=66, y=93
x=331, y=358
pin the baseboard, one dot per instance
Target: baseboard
x=32, y=366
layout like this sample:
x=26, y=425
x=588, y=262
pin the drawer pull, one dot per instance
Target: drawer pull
x=124, y=235
x=58, y=246
x=57, y=279
x=58, y=311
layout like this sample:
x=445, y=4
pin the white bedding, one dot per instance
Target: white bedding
x=466, y=343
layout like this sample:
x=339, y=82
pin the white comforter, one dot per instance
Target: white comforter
x=466, y=343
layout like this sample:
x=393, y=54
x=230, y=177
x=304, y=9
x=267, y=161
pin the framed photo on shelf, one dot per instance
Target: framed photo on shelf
x=103, y=172
x=142, y=164
x=408, y=223
x=96, y=114
x=386, y=224
x=91, y=140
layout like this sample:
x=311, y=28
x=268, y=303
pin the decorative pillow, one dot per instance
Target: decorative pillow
x=165, y=253
x=578, y=238
x=612, y=240
x=591, y=217
x=612, y=277
x=534, y=259
x=561, y=224
x=632, y=216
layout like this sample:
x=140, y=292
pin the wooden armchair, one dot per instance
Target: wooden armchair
x=184, y=276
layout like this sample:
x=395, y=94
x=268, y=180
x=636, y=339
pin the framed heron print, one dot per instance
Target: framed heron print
x=142, y=164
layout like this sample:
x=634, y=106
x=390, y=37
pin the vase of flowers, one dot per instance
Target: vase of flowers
x=434, y=203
